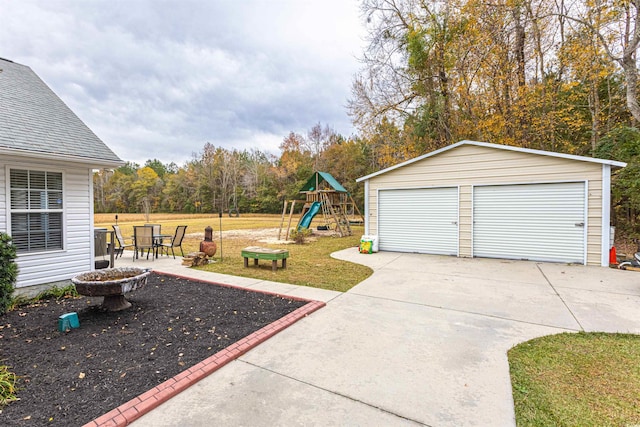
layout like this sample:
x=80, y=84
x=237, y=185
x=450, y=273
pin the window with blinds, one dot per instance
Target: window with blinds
x=36, y=210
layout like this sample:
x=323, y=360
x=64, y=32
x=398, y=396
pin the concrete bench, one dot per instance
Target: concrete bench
x=272, y=255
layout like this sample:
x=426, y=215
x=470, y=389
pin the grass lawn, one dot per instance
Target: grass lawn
x=195, y=222
x=309, y=264
x=580, y=379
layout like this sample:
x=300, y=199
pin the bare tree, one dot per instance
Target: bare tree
x=616, y=25
x=318, y=140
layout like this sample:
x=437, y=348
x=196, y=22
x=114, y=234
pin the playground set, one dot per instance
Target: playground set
x=324, y=194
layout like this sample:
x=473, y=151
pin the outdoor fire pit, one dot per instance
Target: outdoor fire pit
x=111, y=284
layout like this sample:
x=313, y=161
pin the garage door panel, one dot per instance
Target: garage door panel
x=419, y=220
x=543, y=222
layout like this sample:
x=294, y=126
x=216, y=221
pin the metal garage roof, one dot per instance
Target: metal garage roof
x=500, y=147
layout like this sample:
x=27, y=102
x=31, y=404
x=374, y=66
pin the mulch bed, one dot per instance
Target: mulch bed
x=71, y=378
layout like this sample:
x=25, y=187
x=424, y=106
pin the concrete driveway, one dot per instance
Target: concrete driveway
x=423, y=341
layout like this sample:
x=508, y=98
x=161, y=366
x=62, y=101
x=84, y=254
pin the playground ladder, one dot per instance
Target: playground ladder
x=326, y=213
x=345, y=218
x=339, y=217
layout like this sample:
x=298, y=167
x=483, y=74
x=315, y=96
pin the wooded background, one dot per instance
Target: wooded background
x=554, y=75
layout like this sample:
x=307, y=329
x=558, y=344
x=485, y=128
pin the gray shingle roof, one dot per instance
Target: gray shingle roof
x=35, y=121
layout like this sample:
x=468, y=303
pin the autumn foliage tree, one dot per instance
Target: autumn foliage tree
x=543, y=74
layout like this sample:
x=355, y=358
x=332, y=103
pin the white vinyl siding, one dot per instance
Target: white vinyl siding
x=3, y=199
x=77, y=223
x=540, y=222
x=423, y=220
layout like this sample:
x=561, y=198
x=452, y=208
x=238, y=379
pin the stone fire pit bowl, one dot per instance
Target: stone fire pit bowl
x=112, y=284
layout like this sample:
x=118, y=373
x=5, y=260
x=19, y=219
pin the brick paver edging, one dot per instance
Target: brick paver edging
x=137, y=407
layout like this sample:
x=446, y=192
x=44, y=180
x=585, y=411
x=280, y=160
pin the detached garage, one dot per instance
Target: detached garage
x=474, y=199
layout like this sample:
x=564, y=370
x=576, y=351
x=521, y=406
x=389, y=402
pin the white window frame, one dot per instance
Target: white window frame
x=47, y=209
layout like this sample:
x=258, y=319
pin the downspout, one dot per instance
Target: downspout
x=366, y=207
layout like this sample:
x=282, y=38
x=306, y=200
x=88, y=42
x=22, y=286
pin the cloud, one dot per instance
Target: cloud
x=158, y=79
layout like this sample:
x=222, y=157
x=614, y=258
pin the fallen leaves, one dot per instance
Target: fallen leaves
x=98, y=355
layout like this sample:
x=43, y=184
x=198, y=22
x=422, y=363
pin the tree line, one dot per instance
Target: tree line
x=218, y=179
x=555, y=75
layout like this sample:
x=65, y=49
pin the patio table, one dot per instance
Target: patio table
x=157, y=239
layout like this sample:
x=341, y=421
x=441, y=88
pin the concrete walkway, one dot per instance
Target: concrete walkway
x=422, y=341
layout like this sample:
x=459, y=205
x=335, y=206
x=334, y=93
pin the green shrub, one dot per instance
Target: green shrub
x=8, y=271
x=300, y=236
x=7, y=385
x=57, y=293
x=51, y=293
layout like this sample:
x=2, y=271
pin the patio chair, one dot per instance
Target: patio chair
x=157, y=232
x=176, y=241
x=143, y=239
x=122, y=245
x=157, y=229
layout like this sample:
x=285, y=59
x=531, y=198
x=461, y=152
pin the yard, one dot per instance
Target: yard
x=584, y=379
x=566, y=379
x=71, y=378
x=309, y=264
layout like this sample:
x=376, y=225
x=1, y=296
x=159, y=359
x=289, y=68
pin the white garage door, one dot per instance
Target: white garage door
x=421, y=220
x=541, y=222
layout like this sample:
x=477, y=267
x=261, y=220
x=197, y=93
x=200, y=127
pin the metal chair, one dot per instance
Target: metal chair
x=143, y=239
x=176, y=241
x=122, y=245
x=157, y=229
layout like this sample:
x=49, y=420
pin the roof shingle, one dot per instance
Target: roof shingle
x=33, y=119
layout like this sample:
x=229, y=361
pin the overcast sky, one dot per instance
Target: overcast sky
x=159, y=79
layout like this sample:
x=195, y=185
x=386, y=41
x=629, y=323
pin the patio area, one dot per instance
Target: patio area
x=422, y=341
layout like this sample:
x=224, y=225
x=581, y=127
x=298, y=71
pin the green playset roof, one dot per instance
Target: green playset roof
x=320, y=177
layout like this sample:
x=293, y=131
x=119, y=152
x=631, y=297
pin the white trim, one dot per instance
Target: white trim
x=585, y=238
x=91, y=162
x=568, y=181
x=63, y=211
x=7, y=199
x=606, y=215
x=496, y=146
x=473, y=216
x=92, y=228
x=366, y=208
x=421, y=187
x=458, y=225
x=378, y=213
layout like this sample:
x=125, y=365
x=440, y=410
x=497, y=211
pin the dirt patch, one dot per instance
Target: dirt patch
x=251, y=233
x=262, y=235
x=71, y=378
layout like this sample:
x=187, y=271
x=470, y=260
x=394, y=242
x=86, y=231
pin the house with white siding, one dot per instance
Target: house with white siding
x=476, y=199
x=47, y=159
